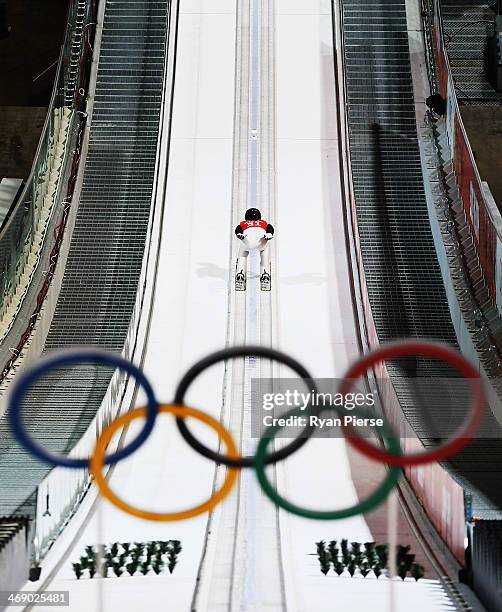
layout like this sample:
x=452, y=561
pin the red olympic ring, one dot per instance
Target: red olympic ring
x=407, y=348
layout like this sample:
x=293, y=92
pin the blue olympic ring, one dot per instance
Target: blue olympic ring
x=69, y=358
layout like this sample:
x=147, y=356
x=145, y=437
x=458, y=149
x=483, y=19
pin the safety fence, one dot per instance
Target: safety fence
x=483, y=216
x=32, y=232
x=439, y=494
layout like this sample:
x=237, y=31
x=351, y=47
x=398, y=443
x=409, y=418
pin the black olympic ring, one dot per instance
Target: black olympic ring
x=223, y=355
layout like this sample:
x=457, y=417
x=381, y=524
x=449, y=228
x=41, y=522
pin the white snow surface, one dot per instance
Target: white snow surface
x=316, y=323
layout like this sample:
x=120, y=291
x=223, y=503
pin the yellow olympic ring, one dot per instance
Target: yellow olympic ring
x=97, y=461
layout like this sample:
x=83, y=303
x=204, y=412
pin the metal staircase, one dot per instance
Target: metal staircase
x=104, y=262
x=467, y=25
x=398, y=249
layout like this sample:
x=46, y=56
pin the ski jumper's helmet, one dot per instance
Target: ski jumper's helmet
x=253, y=214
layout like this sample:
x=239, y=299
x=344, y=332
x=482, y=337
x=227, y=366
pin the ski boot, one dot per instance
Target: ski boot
x=266, y=281
x=240, y=281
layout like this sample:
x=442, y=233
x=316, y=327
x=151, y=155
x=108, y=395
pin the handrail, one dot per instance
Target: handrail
x=22, y=241
x=52, y=105
x=495, y=216
x=47, y=123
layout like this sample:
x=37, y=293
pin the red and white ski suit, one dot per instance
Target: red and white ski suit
x=254, y=240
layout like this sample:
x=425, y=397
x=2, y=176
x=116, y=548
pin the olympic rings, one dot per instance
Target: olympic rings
x=68, y=358
x=405, y=348
x=374, y=500
x=390, y=454
x=97, y=462
x=241, y=351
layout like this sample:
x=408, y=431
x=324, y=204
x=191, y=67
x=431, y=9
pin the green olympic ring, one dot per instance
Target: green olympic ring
x=373, y=501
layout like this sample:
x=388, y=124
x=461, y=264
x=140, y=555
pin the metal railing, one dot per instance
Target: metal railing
x=23, y=232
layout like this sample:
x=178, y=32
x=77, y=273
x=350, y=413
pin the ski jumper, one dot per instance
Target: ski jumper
x=254, y=240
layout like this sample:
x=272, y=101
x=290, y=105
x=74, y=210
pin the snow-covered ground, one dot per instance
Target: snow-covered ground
x=314, y=320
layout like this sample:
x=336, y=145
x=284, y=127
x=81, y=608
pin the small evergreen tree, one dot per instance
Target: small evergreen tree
x=107, y=562
x=122, y=560
x=344, y=545
x=338, y=567
x=402, y=571
x=176, y=546
x=139, y=549
x=91, y=566
x=157, y=564
x=369, y=551
x=417, y=571
x=131, y=568
x=351, y=567
x=172, y=559
x=145, y=566
x=90, y=560
x=324, y=563
x=163, y=546
x=401, y=552
x=333, y=551
x=77, y=568
x=364, y=568
x=408, y=561
x=90, y=552
x=355, y=549
x=320, y=546
x=135, y=557
x=323, y=557
x=117, y=569
x=382, y=552
x=377, y=570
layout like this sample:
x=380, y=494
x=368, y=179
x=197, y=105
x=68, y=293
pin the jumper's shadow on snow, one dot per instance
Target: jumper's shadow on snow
x=307, y=278
x=210, y=270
